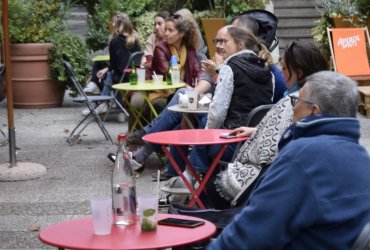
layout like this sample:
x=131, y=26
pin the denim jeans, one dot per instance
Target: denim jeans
x=166, y=120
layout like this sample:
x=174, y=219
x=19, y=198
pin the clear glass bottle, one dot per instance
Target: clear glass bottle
x=133, y=74
x=175, y=72
x=123, y=187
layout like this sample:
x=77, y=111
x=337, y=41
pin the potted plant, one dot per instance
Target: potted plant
x=33, y=26
x=337, y=14
x=343, y=13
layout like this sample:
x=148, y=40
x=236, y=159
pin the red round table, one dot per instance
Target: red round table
x=79, y=234
x=193, y=137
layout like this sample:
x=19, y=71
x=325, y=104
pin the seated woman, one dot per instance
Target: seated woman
x=244, y=82
x=300, y=59
x=137, y=98
x=124, y=42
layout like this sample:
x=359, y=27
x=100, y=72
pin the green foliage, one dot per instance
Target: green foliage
x=34, y=20
x=98, y=32
x=338, y=8
x=320, y=36
x=71, y=48
x=144, y=25
x=363, y=7
x=226, y=8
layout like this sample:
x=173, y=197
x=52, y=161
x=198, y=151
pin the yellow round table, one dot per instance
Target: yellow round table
x=146, y=87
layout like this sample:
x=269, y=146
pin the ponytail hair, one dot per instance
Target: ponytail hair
x=122, y=25
x=251, y=42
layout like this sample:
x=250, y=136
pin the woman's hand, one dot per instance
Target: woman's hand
x=243, y=131
x=101, y=73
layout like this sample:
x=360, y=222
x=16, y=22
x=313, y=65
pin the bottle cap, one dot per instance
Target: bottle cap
x=173, y=60
x=121, y=137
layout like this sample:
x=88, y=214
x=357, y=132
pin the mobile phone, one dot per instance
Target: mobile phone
x=180, y=222
x=227, y=136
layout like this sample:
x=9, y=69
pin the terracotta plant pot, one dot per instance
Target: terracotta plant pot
x=211, y=27
x=33, y=85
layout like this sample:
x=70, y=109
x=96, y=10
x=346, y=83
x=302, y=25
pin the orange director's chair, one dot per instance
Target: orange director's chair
x=349, y=53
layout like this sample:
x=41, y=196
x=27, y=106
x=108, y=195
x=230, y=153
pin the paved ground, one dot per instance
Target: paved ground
x=74, y=173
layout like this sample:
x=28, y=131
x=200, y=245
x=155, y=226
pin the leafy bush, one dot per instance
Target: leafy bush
x=34, y=20
x=71, y=48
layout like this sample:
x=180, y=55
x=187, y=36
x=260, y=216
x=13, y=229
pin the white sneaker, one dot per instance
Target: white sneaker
x=102, y=108
x=176, y=186
x=86, y=111
x=91, y=89
x=121, y=117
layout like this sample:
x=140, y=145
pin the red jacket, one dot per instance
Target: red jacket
x=162, y=56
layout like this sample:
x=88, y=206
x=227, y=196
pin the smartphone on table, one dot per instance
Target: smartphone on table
x=180, y=222
x=227, y=136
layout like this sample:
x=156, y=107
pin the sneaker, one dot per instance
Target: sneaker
x=112, y=157
x=176, y=186
x=136, y=137
x=163, y=175
x=137, y=167
x=164, y=201
x=121, y=117
x=86, y=111
x=102, y=108
x=92, y=89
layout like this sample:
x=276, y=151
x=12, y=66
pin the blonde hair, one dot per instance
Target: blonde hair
x=250, y=41
x=122, y=25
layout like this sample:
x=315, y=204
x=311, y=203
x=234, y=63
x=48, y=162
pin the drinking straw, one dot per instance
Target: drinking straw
x=156, y=77
x=158, y=182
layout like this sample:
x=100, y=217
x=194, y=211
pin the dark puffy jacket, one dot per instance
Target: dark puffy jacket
x=252, y=87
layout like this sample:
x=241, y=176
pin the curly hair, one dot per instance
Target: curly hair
x=188, y=27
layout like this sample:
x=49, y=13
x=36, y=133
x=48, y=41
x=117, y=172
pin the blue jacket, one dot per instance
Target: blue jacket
x=315, y=195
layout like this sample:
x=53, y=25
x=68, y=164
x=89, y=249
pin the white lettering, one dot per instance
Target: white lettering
x=348, y=42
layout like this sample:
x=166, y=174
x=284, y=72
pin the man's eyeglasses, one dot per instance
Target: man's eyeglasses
x=295, y=99
x=219, y=41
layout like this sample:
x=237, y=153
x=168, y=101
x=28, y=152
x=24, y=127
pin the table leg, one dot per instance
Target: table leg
x=208, y=174
x=177, y=168
x=137, y=114
x=151, y=107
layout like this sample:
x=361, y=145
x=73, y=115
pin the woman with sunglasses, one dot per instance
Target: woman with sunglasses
x=300, y=60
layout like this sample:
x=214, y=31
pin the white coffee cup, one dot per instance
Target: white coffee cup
x=101, y=208
x=192, y=99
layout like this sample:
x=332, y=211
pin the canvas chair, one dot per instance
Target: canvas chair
x=90, y=102
x=348, y=51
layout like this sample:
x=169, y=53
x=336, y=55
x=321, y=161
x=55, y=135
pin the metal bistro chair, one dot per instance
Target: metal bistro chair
x=89, y=101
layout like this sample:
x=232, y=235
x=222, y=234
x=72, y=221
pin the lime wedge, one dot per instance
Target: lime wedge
x=148, y=212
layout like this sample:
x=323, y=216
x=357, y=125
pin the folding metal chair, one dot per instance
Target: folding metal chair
x=90, y=102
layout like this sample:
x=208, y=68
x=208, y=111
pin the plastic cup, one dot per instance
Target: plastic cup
x=148, y=210
x=160, y=79
x=192, y=99
x=140, y=76
x=101, y=208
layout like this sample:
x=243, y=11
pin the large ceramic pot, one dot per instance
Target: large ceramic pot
x=33, y=85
